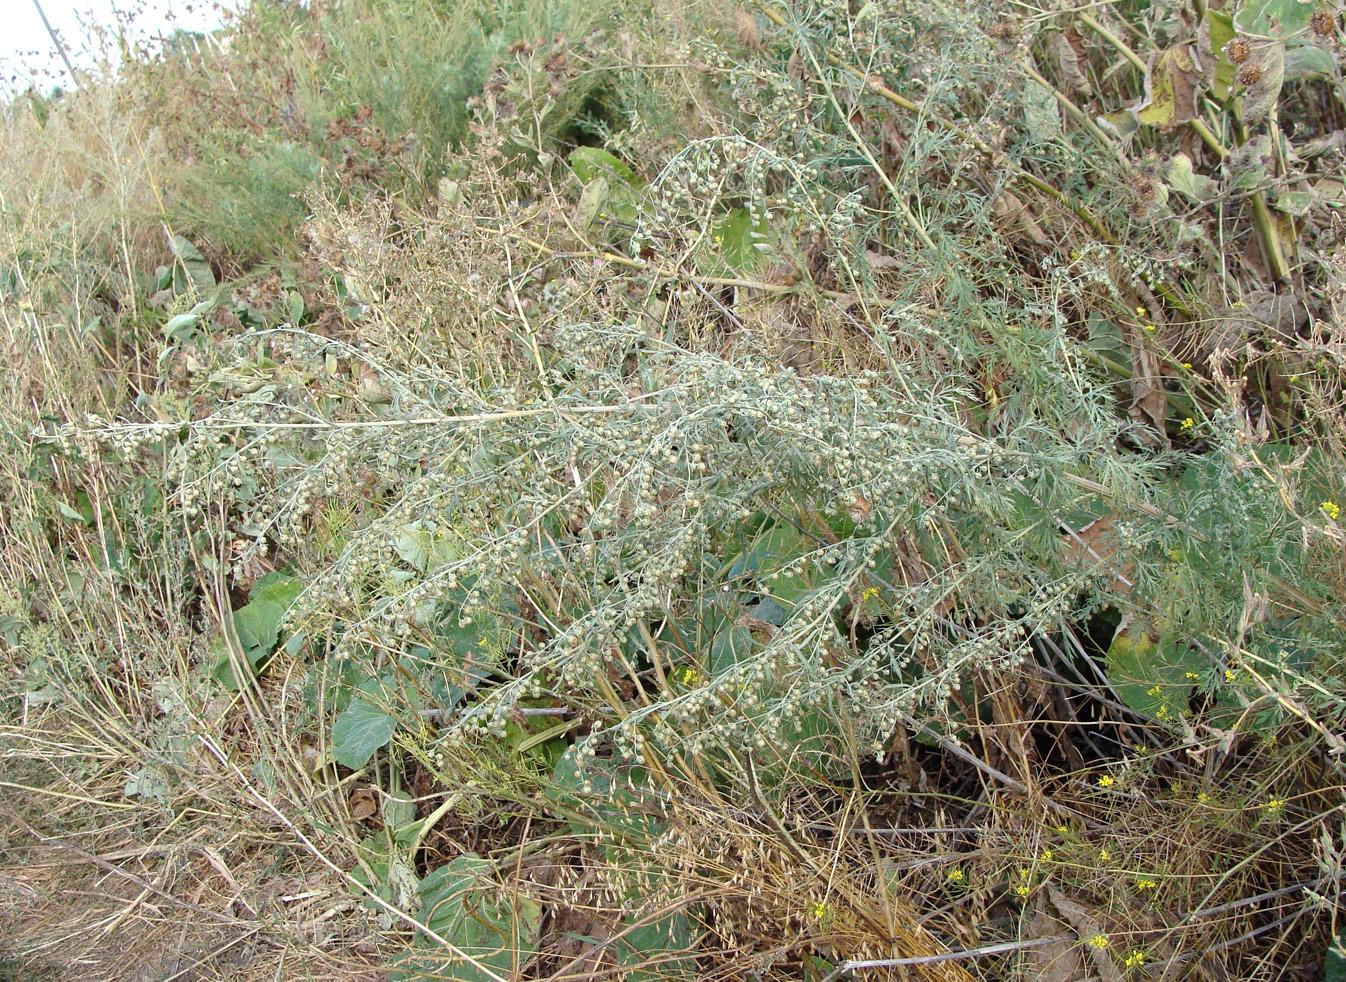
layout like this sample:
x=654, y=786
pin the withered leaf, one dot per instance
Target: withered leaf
x=1170, y=89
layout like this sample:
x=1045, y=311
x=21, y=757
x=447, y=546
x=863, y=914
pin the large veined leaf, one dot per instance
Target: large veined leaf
x=1274, y=18
x=599, y=794
x=610, y=186
x=464, y=904
x=257, y=624
x=740, y=240
x=589, y=163
x=1153, y=674
x=359, y=730
x=657, y=950
x=1220, y=31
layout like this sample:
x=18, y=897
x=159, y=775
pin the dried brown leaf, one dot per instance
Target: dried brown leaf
x=1068, y=47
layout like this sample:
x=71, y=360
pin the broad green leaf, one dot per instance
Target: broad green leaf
x=424, y=546
x=592, y=201
x=600, y=794
x=361, y=729
x=1334, y=964
x=732, y=644
x=1274, y=18
x=1181, y=177
x=183, y=326
x=1154, y=675
x=1308, y=61
x=1220, y=30
x=657, y=950
x=589, y=163
x=464, y=904
x=257, y=624
x=739, y=240
x=193, y=264
x=1121, y=123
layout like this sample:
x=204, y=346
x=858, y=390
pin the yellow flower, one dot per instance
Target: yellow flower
x=1154, y=690
x=1192, y=676
x=689, y=676
x=1106, y=781
x=1202, y=798
x=1331, y=509
x=1099, y=941
x=957, y=876
x=1144, y=883
x=1230, y=675
x=1187, y=365
x=1022, y=890
x=1104, y=855
x=819, y=910
x=1188, y=423
x=1135, y=958
x=870, y=593
x=1048, y=855
x=1274, y=807
x=1150, y=327
x=1063, y=830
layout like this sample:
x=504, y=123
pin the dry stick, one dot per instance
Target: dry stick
x=56, y=40
x=948, y=956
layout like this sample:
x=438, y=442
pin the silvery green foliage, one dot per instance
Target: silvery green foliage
x=744, y=544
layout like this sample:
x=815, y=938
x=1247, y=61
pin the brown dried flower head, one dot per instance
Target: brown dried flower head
x=1238, y=50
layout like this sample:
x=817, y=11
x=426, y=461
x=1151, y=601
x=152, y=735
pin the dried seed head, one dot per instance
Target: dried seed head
x=1323, y=23
x=1003, y=30
x=1238, y=50
x=1250, y=74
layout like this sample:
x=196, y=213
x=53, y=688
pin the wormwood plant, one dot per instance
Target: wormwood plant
x=894, y=515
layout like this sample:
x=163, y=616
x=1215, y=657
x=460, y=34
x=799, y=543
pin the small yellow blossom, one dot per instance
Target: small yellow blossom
x=1063, y=830
x=1187, y=365
x=1191, y=676
x=1331, y=509
x=957, y=876
x=1150, y=327
x=819, y=910
x=871, y=593
x=1274, y=807
x=1135, y=958
x=1188, y=423
x=1144, y=884
x=1022, y=890
x=1106, y=781
x=1140, y=311
x=1048, y=855
x=689, y=676
x=1104, y=855
x=1202, y=798
x=1099, y=941
x=1154, y=690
